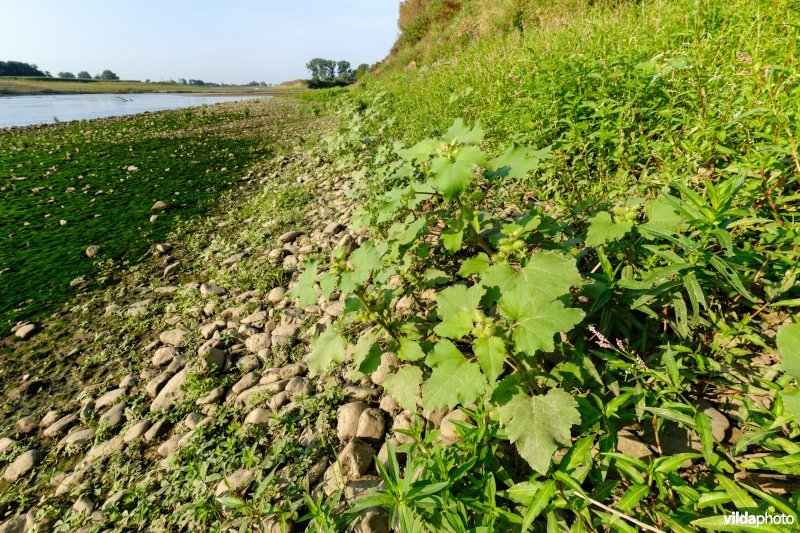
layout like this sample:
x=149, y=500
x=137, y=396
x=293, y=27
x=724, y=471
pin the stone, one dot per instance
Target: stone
x=403, y=421
x=356, y=458
x=347, y=418
x=389, y=405
x=163, y=356
x=207, y=331
x=49, y=417
x=293, y=370
x=170, y=392
x=279, y=400
x=207, y=290
x=358, y=488
x=173, y=337
x=236, y=482
x=628, y=444
x=212, y=397
x=258, y=417
x=245, y=382
x=169, y=446
x=15, y=524
x=361, y=393
x=257, y=394
x=61, y=425
x=290, y=236
x=233, y=259
x=371, y=425
x=78, y=438
x=104, y=449
x=5, y=444
x=284, y=334
x=192, y=420
x=389, y=363
x=258, y=342
x=93, y=250
x=27, y=331
x=157, y=383
x=23, y=465
x=448, y=429
x=719, y=422
x=84, y=504
x=128, y=380
x=157, y=430
x=316, y=471
x=114, y=416
x=113, y=500
x=27, y=424
x=276, y=295
x=299, y=386
x=373, y=521
x=212, y=359
x=333, y=228
x=136, y=431
x=259, y=317
x=108, y=398
x=159, y=206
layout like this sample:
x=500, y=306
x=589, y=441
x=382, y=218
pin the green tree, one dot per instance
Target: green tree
x=66, y=75
x=362, y=69
x=108, y=75
x=83, y=75
x=343, y=71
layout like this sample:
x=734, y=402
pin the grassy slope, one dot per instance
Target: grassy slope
x=19, y=86
x=635, y=100
x=102, y=179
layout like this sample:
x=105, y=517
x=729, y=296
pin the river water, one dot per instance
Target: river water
x=47, y=109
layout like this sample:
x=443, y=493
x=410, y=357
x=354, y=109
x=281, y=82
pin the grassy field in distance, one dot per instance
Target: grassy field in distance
x=13, y=85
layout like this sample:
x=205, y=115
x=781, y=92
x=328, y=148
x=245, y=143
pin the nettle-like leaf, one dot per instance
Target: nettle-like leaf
x=539, y=424
x=791, y=401
x=454, y=379
x=602, y=229
x=491, y=354
x=421, y=150
x=329, y=348
x=474, y=265
x=536, y=320
x=403, y=386
x=516, y=162
x=548, y=275
x=462, y=133
x=304, y=290
x=410, y=350
x=363, y=260
x=456, y=307
x=453, y=176
x=789, y=347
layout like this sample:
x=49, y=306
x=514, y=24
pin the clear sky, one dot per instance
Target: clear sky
x=232, y=41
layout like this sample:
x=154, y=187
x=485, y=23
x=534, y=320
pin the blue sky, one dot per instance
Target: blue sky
x=233, y=41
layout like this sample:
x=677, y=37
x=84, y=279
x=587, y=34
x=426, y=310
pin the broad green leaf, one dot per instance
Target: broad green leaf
x=461, y=132
x=422, y=150
x=453, y=176
x=789, y=348
x=791, y=401
x=603, y=230
x=363, y=260
x=454, y=379
x=456, y=307
x=662, y=214
x=329, y=348
x=474, y=265
x=303, y=290
x=536, y=322
x=451, y=239
x=548, y=275
x=491, y=354
x=516, y=162
x=539, y=424
x=410, y=350
x=367, y=355
x=403, y=386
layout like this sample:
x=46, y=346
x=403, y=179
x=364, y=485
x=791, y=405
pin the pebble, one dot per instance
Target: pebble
x=235, y=482
x=61, y=425
x=136, y=431
x=108, y=398
x=93, y=250
x=276, y=295
x=114, y=416
x=163, y=356
x=23, y=465
x=27, y=424
x=258, y=417
x=290, y=236
x=27, y=331
x=347, y=420
x=78, y=438
x=173, y=337
x=170, y=392
x=371, y=425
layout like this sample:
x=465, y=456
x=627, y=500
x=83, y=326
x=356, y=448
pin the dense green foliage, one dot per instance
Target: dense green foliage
x=102, y=181
x=605, y=247
x=18, y=68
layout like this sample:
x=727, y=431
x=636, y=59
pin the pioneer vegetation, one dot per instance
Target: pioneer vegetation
x=536, y=271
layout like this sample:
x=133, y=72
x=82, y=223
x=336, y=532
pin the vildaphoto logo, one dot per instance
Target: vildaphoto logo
x=747, y=519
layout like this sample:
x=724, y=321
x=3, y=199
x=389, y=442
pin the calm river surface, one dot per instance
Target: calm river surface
x=47, y=109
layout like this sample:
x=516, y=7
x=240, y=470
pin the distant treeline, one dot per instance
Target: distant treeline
x=18, y=68
x=330, y=73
